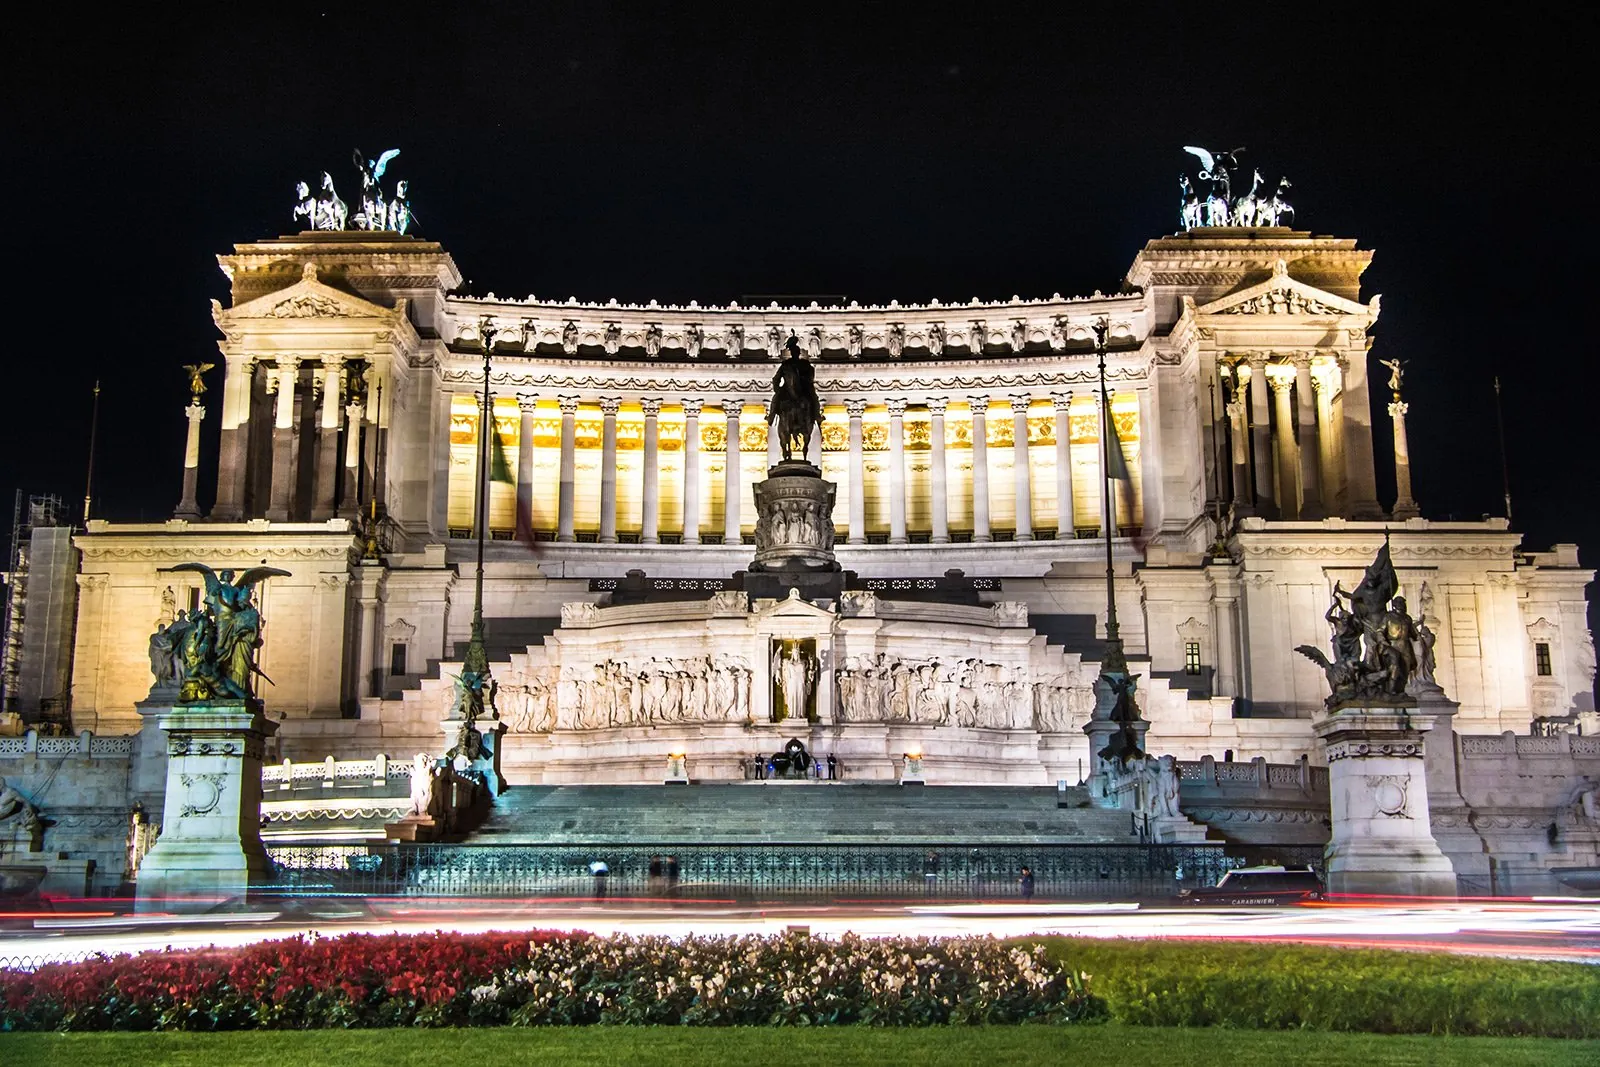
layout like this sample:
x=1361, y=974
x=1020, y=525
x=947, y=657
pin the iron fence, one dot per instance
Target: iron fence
x=767, y=871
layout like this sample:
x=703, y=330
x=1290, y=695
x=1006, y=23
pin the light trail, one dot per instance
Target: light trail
x=1545, y=930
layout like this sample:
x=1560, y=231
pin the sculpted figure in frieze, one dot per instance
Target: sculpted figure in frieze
x=660, y=691
x=935, y=339
x=934, y=692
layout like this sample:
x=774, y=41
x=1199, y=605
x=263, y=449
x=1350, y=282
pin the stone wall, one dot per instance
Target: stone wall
x=81, y=786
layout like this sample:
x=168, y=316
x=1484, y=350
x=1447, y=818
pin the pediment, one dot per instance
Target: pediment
x=794, y=606
x=1284, y=295
x=310, y=298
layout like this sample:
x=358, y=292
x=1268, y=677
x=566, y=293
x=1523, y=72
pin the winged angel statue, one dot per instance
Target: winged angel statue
x=211, y=654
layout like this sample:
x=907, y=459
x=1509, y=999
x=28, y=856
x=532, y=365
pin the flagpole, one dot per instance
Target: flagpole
x=1505, y=468
x=1114, y=660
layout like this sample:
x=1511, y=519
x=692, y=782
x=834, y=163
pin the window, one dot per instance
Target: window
x=1541, y=659
x=1191, y=658
x=397, y=658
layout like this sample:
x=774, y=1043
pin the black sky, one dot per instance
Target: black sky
x=880, y=151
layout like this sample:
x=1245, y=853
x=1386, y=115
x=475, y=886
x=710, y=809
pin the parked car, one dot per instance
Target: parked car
x=1260, y=885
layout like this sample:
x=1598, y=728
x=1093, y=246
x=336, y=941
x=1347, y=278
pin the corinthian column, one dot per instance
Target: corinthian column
x=283, y=383
x=980, y=468
x=650, y=505
x=187, y=507
x=858, y=488
x=327, y=470
x=1281, y=377
x=1312, y=502
x=1261, y=443
x=527, y=405
x=936, y=471
x=1066, y=521
x=609, y=406
x=1404, y=506
x=731, y=494
x=691, y=472
x=897, y=471
x=349, y=499
x=1021, y=464
x=566, y=521
x=1325, y=383
x=237, y=382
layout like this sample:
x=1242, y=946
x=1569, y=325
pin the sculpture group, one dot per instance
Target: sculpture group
x=1210, y=200
x=324, y=210
x=210, y=654
x=658, y=691
x=1379, y=652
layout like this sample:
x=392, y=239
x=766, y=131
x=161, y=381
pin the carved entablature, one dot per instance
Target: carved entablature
x=1282, y=295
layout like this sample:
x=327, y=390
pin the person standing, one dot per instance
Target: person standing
x=1025, y=883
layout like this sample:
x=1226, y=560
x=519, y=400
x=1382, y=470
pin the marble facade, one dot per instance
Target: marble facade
x=959, y=435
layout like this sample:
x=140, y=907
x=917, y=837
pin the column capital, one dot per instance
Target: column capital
x=610, y=405
x=1398, y=408
x=855, y=408
x=979, y=404
x=1255, y=360
x=691, y=408
x=1280, y=376
x=896, y=406
x=1301, y=360
x=937, y=404
x=1062, y=401
x=1326, y=376
x=195, y=412
x=651, y=406
x=732, y=409
x=527, y=403
x=1234, y=409
x=569, y=404
x=1020, y=401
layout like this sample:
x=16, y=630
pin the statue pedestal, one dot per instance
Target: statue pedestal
x=794, y=520
x=209, y=852
x=1382, y=841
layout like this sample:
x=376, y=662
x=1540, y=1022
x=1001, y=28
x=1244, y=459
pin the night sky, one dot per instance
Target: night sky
x=634, y=152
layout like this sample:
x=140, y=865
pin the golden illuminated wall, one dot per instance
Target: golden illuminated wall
x=464, y=418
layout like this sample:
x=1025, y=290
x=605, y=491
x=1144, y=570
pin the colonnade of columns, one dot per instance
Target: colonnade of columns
x=1072, y=507
x=1284, y=452
x=276, y=455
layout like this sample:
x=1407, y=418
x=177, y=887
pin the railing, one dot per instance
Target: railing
x=1257, y=775
x=766, y=871
x=1510, y=743
x=84, y=746
x=331, y=772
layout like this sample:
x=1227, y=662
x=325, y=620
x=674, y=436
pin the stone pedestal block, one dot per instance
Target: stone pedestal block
x=209, y=852
x=794, y=519
x=1382, y=840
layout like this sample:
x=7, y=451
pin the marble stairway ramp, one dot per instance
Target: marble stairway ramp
x=800, y=812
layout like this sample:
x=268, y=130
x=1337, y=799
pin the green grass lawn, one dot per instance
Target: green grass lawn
x=842, y=1047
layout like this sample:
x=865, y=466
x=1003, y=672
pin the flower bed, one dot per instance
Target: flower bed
x=495, y=979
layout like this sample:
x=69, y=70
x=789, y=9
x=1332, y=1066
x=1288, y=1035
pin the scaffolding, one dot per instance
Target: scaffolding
x=28, y=514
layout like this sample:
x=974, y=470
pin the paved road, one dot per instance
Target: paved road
x=1567, y=930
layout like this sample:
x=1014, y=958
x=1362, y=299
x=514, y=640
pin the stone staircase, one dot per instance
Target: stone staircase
x=798, y=813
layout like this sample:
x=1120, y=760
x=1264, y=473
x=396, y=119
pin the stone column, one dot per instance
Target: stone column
x=1021, y=465
x=349, y=492
x=527, y=405
x=609, y=406
x=1066, y=521
x=327, y=469
x=1325, y=382
x=566, y=520
x=940, y=508
x=1261, y=441
x=283, y=383
x=187, y=507
x=691, y=472
x=650, y=504
x=1238, y=436
x=731, y=495
x=980, y=468
x=1312, y=505
x=1281, y=378
x=858, y=474
x=232, y=468
x=209, y=852
x=1382, y=843
x=1404, y=506
x=897, y=471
